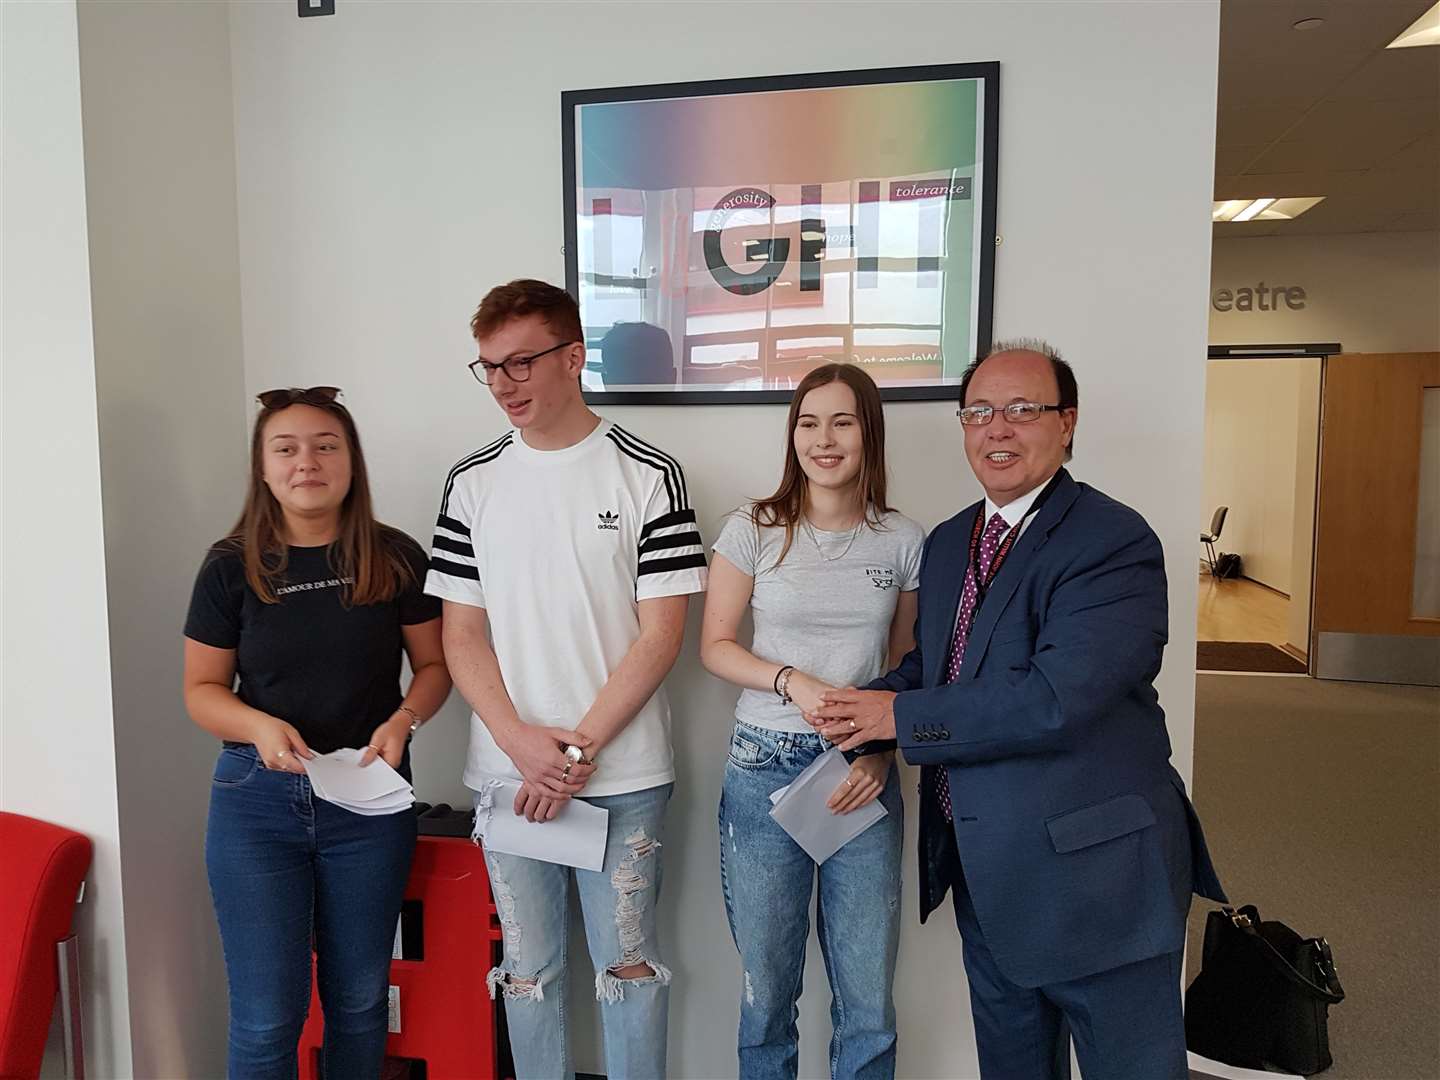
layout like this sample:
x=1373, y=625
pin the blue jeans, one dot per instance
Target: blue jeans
x=284, y=867
x=618, y=905
x=768, y=880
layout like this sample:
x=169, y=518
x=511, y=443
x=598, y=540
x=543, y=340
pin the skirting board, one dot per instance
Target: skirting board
x=1387, y=658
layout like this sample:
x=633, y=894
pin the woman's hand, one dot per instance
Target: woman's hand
x=278, y=743
x=806, y=692
x=864, y=784
x=388, y=740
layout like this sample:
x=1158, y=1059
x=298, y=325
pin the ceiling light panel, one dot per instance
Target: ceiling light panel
x=1253, y=209
x=1423, y=31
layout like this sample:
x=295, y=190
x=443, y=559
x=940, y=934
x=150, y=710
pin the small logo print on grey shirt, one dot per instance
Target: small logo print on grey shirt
x=881, y=577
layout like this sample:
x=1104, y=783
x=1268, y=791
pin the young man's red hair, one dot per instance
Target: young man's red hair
x=526, y=296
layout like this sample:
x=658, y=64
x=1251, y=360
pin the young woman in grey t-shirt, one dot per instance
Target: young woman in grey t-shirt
x=829, y=574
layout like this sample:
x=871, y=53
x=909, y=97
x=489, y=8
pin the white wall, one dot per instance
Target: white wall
x=1252, y=458
x=57, y=751
x=397, y=160
x=165, y=288
x=1371, y=292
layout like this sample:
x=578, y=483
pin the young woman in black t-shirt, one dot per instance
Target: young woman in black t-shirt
x=310, y=603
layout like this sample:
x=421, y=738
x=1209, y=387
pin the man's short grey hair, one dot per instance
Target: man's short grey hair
x=1064, y=374
x=1023, y=344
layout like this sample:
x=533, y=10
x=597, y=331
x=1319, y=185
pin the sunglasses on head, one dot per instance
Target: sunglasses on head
x=284, y=398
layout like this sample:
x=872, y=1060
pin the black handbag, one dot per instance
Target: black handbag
x=1263, y=995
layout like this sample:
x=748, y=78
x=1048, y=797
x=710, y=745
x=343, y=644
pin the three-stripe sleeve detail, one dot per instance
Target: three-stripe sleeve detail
x=669, y=468
x=452, y=552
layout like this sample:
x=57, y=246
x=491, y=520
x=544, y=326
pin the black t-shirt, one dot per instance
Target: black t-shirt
x=332, y=671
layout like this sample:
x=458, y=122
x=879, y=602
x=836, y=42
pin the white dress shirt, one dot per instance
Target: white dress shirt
x=1016, y=509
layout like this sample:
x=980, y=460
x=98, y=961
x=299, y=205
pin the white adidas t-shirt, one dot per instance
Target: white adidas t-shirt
x=559, y=547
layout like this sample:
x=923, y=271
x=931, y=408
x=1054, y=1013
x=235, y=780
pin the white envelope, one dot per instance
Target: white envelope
x=799, y=808
x=573, y=837
x=389, y=804
x=371, y=790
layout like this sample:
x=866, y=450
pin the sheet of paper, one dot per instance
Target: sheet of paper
x=370, y=790
x=340, y=776
x=376, y=807
x=801, y=811
x=1202, y=1068
x=574, y=837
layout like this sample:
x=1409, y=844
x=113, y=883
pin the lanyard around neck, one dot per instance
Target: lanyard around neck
x=1001, y=553
x=1006, y=545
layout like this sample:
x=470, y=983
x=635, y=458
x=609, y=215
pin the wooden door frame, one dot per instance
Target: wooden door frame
x=1321, y=351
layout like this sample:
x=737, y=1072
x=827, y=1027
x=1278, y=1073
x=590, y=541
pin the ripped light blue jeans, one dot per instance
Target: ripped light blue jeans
x=618, y=905
x=768, y=880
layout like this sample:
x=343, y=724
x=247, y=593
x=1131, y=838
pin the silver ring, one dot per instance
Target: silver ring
x=852, y=725
x=281, y=754
x=848, y=782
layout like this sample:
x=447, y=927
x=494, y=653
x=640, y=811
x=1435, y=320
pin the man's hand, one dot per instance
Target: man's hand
x=851, y=718
x=539, y=753
x=534, y=805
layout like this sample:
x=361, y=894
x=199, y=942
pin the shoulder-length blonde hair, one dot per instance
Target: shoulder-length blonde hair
x=365, y=550
x=786, y=507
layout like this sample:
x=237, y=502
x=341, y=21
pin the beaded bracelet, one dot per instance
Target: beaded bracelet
x=782, y=683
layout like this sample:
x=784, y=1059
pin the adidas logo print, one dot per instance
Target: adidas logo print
x=608, y=520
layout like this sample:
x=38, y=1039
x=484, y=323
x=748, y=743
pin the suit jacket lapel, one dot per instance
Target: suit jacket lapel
x=1013, y=571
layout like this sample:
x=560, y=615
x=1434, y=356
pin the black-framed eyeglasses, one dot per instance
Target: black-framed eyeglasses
x=517, y=367
x=293, y=395
x=1017, y=412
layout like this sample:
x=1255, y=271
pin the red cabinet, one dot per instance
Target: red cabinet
x=447, y=1023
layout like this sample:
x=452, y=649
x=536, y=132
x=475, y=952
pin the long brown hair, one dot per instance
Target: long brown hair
x=786, y=507
x=365, y=550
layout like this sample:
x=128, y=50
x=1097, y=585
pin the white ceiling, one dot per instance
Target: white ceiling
x=1330, y=112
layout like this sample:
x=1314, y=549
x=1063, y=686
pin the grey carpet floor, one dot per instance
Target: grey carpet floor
x=1321, y=803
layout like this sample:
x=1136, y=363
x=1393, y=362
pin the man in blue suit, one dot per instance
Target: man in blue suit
x=1049, y=806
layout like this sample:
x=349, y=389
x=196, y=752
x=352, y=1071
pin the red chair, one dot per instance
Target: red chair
x=43, y=868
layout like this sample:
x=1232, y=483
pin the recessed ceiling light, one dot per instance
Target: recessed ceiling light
x=1266, y=209
x=1253, y=209
x=1308, y=24
x=1287, y=208
x=1225, y=210
x=1423, y=31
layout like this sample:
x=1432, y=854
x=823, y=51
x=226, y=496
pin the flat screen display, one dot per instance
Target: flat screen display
x=723, y=238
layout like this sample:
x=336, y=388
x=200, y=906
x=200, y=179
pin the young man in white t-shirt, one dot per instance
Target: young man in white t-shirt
x=565, y=552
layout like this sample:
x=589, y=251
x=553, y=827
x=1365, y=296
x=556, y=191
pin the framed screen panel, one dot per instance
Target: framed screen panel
x=725, y=237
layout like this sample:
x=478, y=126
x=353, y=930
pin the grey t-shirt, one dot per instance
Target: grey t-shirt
x=830, y=619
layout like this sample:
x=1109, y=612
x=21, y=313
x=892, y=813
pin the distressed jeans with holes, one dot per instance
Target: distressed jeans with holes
x=618, y=905
x=768, y=881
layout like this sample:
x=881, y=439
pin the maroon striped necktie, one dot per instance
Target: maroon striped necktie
x=969, y=598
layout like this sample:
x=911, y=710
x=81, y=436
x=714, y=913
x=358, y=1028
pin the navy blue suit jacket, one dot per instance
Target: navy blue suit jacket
x=1079, y=845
